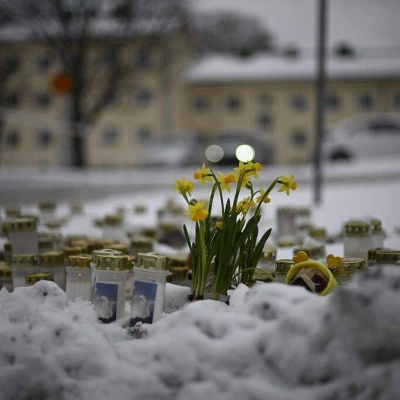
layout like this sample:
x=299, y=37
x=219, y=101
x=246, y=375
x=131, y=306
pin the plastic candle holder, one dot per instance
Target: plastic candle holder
x=357, y=239
x=79, y=277
x=22, y=265
x=23, y=236
x=109, y=291
x=53, y=262
x=148, y=288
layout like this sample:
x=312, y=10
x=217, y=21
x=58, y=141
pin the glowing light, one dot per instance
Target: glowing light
x=245, y=153
x=214, y=153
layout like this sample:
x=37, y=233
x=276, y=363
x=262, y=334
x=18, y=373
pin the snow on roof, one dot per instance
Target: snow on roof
x=224, y=69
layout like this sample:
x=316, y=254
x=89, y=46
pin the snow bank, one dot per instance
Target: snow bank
x=273, y=341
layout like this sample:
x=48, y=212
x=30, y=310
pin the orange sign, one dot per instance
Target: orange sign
x=62, y=83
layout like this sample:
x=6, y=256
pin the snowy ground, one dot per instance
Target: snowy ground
x=271, y=342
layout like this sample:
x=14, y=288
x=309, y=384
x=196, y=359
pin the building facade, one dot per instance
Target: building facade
x=270, y=98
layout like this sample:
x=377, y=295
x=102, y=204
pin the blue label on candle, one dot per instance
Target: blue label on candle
x=143, y=302
x=105, y=301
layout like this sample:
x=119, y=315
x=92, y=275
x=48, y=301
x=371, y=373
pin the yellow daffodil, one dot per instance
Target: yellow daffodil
x=202, y=175
x=183, y=186
x=240, y=168
x=287, y=184
x=244, y=205
x=218, y=225
x=259, y=198
x=226, y=180
x=253, y=168
x=197, y=212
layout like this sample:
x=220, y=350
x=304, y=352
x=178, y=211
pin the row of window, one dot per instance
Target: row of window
x=298, y=102
x=141, y=60
x=44, y=138
x=12, y=139
x=111, y=135
x=143, y=98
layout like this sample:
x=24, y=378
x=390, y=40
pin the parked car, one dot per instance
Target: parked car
x=362, y=137
x=228, y=143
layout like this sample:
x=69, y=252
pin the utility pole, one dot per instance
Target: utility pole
x=320, y=98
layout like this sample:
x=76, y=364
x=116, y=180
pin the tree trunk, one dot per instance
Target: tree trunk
x=78, y=148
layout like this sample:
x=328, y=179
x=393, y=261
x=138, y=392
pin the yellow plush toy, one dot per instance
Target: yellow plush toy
x=310, y=274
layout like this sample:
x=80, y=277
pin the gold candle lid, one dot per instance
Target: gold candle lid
x=287, y=210
x=152, y=261
x=387, y=256
x=12, y=211
x=177, y=260
x=47, y=205
x=123, y=248
x=31, y=279
x=268, y=253
x=112, y=220
x=283, y=265
x=24, y=259
x=349, y=266
x=103, y=252
x=51, y=258
x=356, y=228
x=73, y=251
x=285, y=242
x=140, y=209
x=149, y=232
x=170, y=227
x=317, y=232
x=5, y=270
x=303, y=211
x=372, y=253
x=55, y=224
x=376, y=225
x=314, y=252
x=112, y=262
x=22, y=225
x=71, y=239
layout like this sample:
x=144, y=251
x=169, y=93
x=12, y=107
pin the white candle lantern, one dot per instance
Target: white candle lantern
x=112, y=228
x=22, y=265
x=148, y=288
x=357, y=239
x=79, y=277
x=286, y=221
x=53, y=262
x=141, y=244
x=47, y=211
x=23, y=236
x=110, y=282
x=377, y=233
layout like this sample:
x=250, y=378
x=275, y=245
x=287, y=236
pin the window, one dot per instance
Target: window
x=298, y=102
x=11, y=100
x=143, y=96
x=142, y=59
x=44, y=138
x=265, y=99
x=299, y=137
x=144, y=134
x=43, y=62
x=11, y=64
x=110, y=136
x=332, y=102
x=12, y=139
x=396, y=100
x=265, y=121
x=365, y=101
x=200, y=104
x=233, y=103
x=42, y=100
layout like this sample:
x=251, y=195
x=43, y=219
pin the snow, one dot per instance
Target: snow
x=274, y=341
x=225, y=69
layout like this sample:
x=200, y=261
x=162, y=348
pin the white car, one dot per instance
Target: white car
x=363, y=137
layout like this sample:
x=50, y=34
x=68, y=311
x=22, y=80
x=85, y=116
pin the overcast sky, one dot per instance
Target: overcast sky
x=366, y=23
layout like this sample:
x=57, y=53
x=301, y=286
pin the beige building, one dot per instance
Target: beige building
x=271, y=98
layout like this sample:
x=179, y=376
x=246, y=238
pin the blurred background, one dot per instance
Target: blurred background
x=133, y=93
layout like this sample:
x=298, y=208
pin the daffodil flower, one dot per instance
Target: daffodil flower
x=218, y=225
x=183, y=186
x=259, y=198
x=287, y=184
x=240, y=168
x=244, y=205
x=253, y=168
x=226, y=180
x=203, y=175
x=197, y=212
